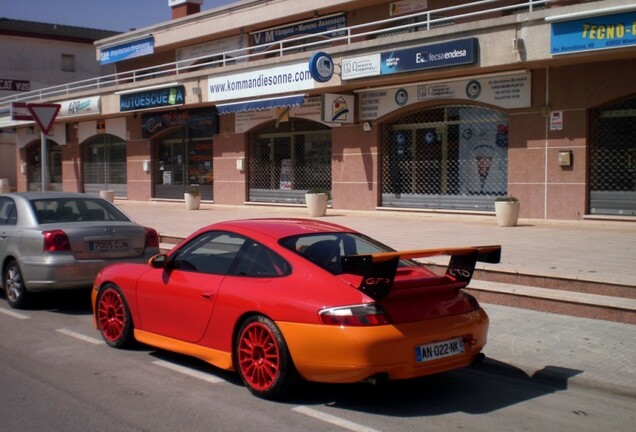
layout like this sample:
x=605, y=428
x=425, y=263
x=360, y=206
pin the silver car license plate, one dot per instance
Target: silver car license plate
x=97, y=246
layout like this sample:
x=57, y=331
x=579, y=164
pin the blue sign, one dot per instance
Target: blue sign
x=459, y=52
x=321, y=67
x=127, y=51
x=152, y=99
x=593, y=33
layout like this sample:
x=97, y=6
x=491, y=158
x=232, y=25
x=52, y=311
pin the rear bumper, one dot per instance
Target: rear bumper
x=350, y=354
x=57, y=272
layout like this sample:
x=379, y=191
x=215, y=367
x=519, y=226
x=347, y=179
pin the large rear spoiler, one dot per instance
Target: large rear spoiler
x=378, y=270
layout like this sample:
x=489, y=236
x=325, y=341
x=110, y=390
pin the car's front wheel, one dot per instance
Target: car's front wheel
x=263, y=360
x=113, y=317
x=14, y=288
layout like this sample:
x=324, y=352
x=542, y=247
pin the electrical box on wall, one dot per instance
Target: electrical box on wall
x=565, y=158
x=240, y=164
x=146, y=166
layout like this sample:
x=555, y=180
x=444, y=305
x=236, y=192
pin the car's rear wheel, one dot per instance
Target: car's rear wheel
x=14, y=288
x=113, y=317
x=263, y=360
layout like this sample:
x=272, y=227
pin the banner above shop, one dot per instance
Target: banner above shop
x=311, y=109
x=262, y=40
x=203, y=121
x=593, y=33
x=453, y=53
x=506, y=91
x=137, y=48
x=152, y=98
x=80, y=107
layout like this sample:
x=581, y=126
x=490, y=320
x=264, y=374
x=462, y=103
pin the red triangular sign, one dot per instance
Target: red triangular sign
x=44, y=115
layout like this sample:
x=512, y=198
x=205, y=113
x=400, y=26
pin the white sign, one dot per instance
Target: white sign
x=359, y=67
x=260, y=82
x=556, y=120
x=80, y=107
x=338, y=108
x=505, y=91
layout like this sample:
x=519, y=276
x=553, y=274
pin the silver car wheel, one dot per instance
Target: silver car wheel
x=14, y=286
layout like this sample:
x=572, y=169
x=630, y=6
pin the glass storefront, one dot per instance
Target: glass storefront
x=288, y=160
x=613, y=160
x=104, y=165
x=53, y=163
x=451, y=157
x=183, y=160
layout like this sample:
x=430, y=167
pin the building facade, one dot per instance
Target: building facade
x=37, y=56
x=415, y=105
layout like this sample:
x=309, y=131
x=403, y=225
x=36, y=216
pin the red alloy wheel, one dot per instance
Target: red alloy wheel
x=111, y=315
x=259, y=356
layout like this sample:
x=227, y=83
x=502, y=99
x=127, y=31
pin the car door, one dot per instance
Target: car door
x=177, y=301
x=8, y=220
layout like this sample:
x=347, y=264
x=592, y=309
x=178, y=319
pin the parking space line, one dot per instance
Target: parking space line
x=190, y=372
x=14, y=314
x=80, y=336
x=337, y=421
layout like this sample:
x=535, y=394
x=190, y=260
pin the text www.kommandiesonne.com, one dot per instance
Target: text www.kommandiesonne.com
x=261, y=81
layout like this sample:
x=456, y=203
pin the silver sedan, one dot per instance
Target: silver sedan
x=61, y=240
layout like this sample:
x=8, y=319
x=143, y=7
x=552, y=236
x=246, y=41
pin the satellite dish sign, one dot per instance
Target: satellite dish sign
x=321, y=66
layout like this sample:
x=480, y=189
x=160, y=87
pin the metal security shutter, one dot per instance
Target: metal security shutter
x=104, y=165
x=287, y=159
x=613, y=161
x=449, y=157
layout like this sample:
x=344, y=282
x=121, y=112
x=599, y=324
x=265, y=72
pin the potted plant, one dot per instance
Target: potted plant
x=192, y=198
x=507, y=210
x=316, y=200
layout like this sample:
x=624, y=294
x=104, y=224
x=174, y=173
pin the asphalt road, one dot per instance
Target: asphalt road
x=56, y=374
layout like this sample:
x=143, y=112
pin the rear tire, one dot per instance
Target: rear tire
x=15, y=291
x=113, y=317
x=262, y=359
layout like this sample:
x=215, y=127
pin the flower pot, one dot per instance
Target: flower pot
x=192, y=201
x=317, y=203
x=507, y=213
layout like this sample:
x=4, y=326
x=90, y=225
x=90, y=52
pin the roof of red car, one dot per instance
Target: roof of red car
x=281, y=227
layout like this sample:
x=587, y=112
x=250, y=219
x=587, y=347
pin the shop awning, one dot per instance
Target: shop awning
x=261, y=104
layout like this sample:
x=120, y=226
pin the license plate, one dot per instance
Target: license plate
x=96, y=246
x=438, y=350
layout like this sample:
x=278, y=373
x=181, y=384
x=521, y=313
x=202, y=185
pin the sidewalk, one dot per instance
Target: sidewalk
x=581, y=351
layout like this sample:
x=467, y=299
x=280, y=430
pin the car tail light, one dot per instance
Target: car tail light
x=358, y=315
x=56, y=241
x=152, y=238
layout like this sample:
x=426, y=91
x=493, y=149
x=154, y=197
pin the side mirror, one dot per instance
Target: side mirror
x=158, y=261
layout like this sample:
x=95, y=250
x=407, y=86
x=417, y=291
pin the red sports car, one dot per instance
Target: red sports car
x=280, y=300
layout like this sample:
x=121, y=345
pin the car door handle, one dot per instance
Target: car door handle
x=207, y=295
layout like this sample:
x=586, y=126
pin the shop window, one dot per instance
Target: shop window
x=287, y=160
x=613, y=160
x=452, y=157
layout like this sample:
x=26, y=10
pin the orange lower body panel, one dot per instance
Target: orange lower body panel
x=350, y=354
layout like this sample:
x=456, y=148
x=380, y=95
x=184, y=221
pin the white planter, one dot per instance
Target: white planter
x=192, y=201
x=107, y=195
x=317, y=203
x=507, y=213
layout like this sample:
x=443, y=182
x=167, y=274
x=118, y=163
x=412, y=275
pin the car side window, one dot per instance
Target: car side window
x=256, y=260
x=8, y=213
x=212, y=252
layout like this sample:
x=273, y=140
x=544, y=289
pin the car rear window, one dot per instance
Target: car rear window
x=55, y=210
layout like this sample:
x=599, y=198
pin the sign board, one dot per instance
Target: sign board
x=44, y=115
x=19, y=111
